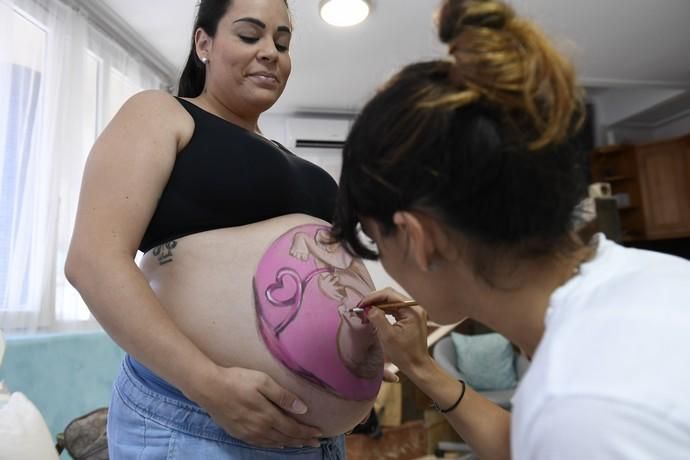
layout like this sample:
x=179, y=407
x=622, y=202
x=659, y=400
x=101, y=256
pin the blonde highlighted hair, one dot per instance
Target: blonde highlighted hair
x=508, y=62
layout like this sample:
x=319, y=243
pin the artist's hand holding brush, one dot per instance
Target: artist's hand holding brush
x=404, y=342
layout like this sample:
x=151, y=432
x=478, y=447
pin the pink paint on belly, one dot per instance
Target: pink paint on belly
x=301, y=290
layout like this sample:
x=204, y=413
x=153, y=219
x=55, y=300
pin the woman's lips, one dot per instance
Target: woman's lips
x=265, y=79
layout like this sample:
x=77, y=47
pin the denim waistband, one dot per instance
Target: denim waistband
x=185, y=415
x=154, y=382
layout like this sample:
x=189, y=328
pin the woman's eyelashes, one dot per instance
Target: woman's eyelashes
x=252, y=40
x=247, y=39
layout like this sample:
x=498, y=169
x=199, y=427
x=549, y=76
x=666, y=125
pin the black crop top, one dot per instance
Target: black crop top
x=227, y=176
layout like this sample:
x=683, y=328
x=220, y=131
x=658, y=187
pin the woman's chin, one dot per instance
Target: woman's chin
x=265, y=100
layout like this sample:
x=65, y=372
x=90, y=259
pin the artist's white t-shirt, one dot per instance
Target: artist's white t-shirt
x=611, y=376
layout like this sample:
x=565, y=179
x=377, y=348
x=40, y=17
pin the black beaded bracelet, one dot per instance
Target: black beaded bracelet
x=455, y=404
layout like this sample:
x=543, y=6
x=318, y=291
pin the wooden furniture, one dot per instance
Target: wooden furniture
x=405, y=442
x=655, y=177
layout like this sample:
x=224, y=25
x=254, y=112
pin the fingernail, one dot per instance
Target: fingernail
x=298, y=407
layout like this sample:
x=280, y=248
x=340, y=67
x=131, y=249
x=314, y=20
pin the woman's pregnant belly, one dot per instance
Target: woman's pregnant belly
x=273, y=296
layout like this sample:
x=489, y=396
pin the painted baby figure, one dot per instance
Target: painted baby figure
x=304, y=286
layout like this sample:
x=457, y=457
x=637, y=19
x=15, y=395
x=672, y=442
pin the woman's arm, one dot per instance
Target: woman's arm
x=125, y=174
x=481, y=423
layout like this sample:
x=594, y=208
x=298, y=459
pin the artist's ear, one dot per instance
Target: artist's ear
x=429, y=244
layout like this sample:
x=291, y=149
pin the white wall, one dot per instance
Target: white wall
x=274, y=127
x=616, y=105
x=631, y=134
x=678, y=127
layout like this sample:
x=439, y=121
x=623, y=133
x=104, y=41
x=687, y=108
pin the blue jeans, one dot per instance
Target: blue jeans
x=145, y=425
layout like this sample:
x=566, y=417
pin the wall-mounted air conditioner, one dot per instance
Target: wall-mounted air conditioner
x=319, y=140
x=314, y=132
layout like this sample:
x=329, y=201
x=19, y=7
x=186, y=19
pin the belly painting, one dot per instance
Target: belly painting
x=303, y=288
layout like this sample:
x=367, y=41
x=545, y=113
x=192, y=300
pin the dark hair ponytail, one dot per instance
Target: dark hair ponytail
x=193, y=76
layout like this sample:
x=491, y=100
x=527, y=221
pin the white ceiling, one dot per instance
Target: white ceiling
x=614, y=43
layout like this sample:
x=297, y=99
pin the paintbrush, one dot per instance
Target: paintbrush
x=386, y=306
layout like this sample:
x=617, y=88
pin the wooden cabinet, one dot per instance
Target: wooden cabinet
x=654, y=183
x=617, y=165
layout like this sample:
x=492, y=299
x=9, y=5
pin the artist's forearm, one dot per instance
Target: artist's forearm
x=481, y=423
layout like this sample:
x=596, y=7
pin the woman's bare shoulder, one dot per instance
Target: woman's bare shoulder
x=152, y=98
x=153, y=102
x=158, y=111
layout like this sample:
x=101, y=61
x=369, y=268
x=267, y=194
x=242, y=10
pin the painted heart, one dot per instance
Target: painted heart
x=288, y=295
x=286, y=292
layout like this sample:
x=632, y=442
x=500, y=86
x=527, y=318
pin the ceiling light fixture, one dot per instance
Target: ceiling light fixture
x=344, y=13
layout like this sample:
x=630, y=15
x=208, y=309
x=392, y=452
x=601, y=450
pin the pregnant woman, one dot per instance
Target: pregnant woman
x=239, y=344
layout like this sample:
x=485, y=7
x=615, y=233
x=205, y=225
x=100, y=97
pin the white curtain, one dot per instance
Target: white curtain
x=61, y=81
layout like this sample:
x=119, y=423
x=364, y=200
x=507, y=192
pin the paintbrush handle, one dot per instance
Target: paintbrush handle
x=396, y=305
x=388, y=306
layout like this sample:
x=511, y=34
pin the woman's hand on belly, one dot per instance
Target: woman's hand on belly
x=250, y=406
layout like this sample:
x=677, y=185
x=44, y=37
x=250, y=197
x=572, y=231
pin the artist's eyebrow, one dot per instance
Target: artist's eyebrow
x=259, y=23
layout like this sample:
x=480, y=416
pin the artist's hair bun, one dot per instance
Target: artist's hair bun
x=507, y=61
x=455, y=15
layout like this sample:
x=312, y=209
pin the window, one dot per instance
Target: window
x=121, y=89
x=69, y=306
x=23, y=70
x=61, y=80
